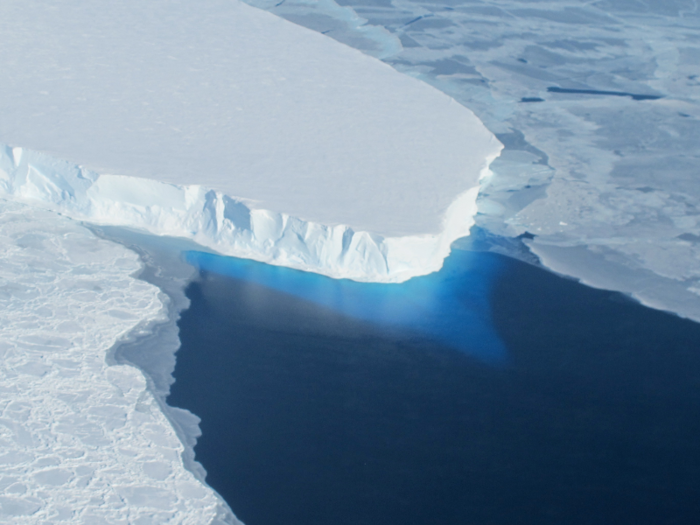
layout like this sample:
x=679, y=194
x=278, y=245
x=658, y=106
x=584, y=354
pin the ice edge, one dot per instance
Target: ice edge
x=160, y=336
x=230, y=225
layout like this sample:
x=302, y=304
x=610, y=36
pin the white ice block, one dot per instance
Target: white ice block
x=225, y=97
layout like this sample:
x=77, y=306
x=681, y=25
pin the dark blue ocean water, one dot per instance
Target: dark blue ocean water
x=489, y=393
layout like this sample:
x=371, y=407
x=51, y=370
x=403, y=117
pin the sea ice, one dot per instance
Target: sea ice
x=213, y=121
x=297, y=151
x=82, y=441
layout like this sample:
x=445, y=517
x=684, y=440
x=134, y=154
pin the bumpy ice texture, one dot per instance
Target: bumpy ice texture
x=597, y=104
x=81, y=441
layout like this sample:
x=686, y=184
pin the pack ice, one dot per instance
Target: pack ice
x=225, y=124
x=81, y=441
x=598, y=107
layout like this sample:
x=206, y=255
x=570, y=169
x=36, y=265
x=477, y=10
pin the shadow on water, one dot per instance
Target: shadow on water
x=312, y=415
x=450, y=306
x=634, y=96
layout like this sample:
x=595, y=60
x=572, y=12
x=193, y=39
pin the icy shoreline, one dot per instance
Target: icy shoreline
x=109, y=206
x=232, y=226
x=84, y=439
x=152, y=348
x=606, y=184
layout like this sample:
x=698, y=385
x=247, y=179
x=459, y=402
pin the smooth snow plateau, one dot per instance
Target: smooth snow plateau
x=223, y=123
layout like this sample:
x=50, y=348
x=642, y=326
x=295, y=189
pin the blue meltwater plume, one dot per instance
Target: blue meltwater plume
x=451, y=307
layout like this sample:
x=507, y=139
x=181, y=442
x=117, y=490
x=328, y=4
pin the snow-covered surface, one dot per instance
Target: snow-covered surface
x=220, y=94
x=81, y=441
x=608, y=184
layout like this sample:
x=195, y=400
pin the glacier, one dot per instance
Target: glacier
x=299, y=151
x=318, y=156
x=231, y=226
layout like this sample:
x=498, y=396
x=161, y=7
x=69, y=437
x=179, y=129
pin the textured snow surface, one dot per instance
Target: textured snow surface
x=234, y=99
x=601, y=173
x=81, y=441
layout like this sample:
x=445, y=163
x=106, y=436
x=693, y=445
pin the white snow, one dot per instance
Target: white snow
x=80, y=441
x=230, y=98
x=216, y=122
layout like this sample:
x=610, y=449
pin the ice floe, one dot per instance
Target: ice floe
x=82, y=441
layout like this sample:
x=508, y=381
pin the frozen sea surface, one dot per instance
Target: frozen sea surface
x=596, y=104
x=82, y=441
x=607, y=184
x=143, y=115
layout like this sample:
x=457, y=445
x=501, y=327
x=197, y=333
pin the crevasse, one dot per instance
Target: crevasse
x=229, y=225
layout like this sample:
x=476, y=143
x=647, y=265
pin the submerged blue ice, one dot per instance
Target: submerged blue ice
x=451, y=307
x=603, y=100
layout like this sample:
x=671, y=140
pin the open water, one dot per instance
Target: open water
x=492, y=392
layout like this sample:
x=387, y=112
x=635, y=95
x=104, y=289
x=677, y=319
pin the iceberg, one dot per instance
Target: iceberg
x=597, y=106
x=222, y=123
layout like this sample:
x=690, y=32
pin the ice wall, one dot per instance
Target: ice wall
x=82, y=442
x=211, y=121
x=227, y=225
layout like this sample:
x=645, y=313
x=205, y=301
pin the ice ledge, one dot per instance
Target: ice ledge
x=229, y=225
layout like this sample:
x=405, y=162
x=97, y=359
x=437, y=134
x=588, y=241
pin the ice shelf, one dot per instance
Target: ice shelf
x=227, y=225
x=303, y=151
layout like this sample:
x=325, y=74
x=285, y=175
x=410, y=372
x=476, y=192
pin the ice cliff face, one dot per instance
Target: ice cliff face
x=227, y=225
x=227, y=125
x=219, y=95
x=158, y=116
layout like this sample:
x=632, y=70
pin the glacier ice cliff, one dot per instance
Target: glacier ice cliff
x=223, y=123
x=227, y=225
x=211, y=121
